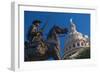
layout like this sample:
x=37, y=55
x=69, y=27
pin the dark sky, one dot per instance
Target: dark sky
x=81, y=20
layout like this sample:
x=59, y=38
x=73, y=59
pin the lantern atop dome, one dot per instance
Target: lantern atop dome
x=72, y=26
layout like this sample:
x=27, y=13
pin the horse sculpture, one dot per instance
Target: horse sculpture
x=45, y=48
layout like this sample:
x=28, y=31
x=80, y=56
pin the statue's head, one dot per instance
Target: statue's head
x=36, y=22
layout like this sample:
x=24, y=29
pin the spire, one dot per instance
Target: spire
x=71, y=21
x=72, y=25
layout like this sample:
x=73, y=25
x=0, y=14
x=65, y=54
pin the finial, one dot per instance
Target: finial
x=72, y=24
x=71, y=21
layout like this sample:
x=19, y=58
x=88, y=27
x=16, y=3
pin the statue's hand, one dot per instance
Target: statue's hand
x=40, y=32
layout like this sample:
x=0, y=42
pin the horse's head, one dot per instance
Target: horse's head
x=56, y=30
x=60, y=30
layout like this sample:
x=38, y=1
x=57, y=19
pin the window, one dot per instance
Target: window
x=73, y=45
x=78, y=44
x=82, y=43
x=69, y=47
x=66, y=49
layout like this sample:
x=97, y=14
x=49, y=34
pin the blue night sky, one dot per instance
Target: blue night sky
x=81, y=20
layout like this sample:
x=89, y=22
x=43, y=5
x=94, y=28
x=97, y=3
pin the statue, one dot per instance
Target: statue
x=39, y=48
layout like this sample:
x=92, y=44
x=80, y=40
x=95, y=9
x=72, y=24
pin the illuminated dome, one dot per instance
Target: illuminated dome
x=75, y=39
x=73, y=33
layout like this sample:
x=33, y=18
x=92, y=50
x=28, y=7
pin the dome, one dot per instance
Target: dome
x=73, y=33
x=75, y=41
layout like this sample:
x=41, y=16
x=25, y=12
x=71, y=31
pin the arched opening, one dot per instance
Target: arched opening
x=69, y=47
x=66, y=49
x=82, y=44
x=74, y=46
x=78, y=44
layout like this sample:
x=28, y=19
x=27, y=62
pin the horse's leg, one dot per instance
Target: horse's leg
x=56, y=54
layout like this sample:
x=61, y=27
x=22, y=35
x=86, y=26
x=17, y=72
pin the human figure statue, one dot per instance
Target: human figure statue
x=34, y=32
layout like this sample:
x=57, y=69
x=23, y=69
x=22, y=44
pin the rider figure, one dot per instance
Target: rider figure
x=35, y=32
x=36, y=38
